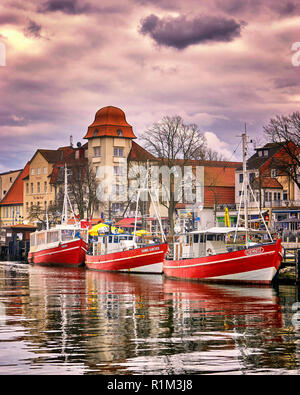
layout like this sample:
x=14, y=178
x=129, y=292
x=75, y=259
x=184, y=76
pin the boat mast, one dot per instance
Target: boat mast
x=64, y=218
x=245, y=182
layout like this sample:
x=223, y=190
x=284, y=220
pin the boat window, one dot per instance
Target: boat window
x=32, y=239
x=53, y=236
x=211, y=237
x=66, y=234
x=110, y=239
x=40, y=238
x=196, y=238
x=187, y=240
x=202, y=239
x=130, y=238
x=116, y=239
x=219, y=237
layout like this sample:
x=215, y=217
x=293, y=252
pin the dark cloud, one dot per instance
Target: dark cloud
x=9, y=18
x=33, y=29
x=66, y=6
x=181, y=32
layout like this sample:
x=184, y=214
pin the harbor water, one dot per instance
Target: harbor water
x=66, y=321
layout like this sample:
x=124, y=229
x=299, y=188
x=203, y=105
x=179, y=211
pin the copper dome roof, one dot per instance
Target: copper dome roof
x=110, y=121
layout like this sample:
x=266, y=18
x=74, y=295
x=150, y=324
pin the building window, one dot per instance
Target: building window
x=277, y=195
x=117, y=170
x=95, y=132
x=251, y=177
x=119, y=152
x=76, y=154
x=120, y=133
x=285, y=195
x=240, y=178
x=45, y=186
x=38, y=187
x=45, y=170
x=97, y=151
x=32, y=172
x=274, y=173
x=38, y=171
x=31, y=187
x=27, y=188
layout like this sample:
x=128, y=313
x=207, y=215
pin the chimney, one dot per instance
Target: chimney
x=71, y=141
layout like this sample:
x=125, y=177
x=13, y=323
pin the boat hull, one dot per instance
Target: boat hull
x=257, y=265
x=71, y=253
x=138, y=260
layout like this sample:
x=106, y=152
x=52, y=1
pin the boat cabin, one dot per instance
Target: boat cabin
x=53, y=237
x=110, y=243
x=208, y=242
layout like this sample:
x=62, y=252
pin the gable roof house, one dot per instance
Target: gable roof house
x=273, y=189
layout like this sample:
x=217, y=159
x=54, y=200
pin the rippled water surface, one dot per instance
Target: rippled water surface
x=76, y=321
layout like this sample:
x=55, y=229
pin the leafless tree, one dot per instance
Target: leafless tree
x=172, y=142
x=285, y=131
x=81, y=187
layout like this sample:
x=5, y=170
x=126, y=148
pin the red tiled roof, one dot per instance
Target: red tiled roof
x=15, y=193
x=108, y=121
x=138, y=153
x=216, y=176
x=267, y=182
x=218, y=195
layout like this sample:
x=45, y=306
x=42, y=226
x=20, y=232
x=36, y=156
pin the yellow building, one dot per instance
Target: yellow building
x=11, y=206
x=37, y=187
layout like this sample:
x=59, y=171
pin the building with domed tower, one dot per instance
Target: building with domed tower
x=111, y=150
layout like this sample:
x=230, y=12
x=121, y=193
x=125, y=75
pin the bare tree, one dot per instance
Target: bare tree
x=172, y=142
x=50, y=215
x=285, y=131
x=81, y=187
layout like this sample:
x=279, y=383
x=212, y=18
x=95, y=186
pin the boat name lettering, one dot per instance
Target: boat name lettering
x=254, y=251
x=64, y=246
x=150, y=249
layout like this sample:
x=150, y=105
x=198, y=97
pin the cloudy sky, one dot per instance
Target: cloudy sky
x=217, y=63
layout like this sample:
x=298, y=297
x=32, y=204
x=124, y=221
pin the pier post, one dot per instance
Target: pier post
x=298, y=266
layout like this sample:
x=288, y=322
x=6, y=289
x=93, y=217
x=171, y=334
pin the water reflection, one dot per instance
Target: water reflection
x=76, y=321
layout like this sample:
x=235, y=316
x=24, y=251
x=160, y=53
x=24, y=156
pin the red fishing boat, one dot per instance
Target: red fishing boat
x=121, y=253
x=63, y=245
x=222, y=262
x=211, y=255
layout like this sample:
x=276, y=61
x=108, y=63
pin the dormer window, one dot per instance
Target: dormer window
x=120, y=133
x=95, y=132
x=263, y=152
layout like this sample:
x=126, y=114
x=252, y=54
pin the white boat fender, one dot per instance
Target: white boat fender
x=209, y=251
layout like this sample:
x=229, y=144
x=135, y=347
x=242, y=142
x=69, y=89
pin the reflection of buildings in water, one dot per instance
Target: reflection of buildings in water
x=14, y=282
x=126, y=308
x=56, y=298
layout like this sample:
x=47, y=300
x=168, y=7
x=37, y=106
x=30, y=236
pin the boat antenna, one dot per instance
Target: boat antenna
x=64, y=217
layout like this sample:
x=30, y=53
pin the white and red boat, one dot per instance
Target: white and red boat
x=114, y=252
x=121, y=252
x=63, y=245
x=207, y=255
